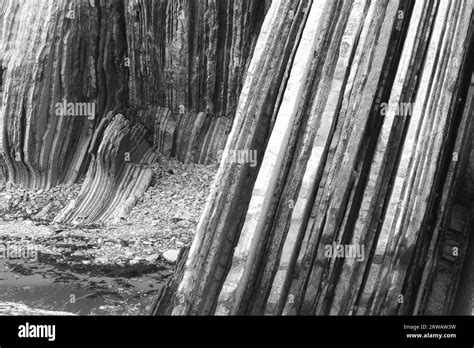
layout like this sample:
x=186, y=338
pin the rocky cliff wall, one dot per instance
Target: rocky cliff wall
x=359, y=202
x=345, y=180
x=57, y=53
x=188, y=60
x=173, y=68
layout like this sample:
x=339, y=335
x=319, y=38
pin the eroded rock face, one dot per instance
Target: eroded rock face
x=57, y=53
x=174, y=68
x=118, y=174
x=344, y=185
x=189, y=59
x=179, y=65
x=359, y=203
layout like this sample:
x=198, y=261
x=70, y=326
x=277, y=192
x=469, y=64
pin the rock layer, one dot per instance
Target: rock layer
x=190, y=57
x=118, y=175
x=358, y=203
x=57, y=52
x=174, y=68
x=343, y=130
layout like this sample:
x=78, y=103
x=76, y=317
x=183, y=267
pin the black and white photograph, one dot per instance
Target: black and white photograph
x=194, y=161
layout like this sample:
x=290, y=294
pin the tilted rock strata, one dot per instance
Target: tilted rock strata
x=218, y=229
x=57, y=52
x=191, y=58
x=338, y=170
x=118, y=175
x=189, y=137
x=306, y=91
x=173, y=67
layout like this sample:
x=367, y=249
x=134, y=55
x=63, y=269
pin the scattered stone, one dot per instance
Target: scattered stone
x=171, y=255
x=135, y=261
x=161, y=223
x=152, y=258
x=42, y=214
x=183, y=223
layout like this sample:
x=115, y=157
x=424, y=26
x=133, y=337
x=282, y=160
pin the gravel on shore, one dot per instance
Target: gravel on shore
x=163, y=221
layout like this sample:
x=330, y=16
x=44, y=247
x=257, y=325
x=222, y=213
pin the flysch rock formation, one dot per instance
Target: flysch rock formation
x=361, y=114
x=358, y=115
x=188, y=60
x=118, y=175
x=173, y=68
x=55, y=53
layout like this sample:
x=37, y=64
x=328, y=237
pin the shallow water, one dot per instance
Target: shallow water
x=44, y=286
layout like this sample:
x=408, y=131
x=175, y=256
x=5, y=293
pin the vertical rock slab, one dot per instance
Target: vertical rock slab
x=244, y=260
x=219, y=226
x=352, y=208
x=447, y=261
x=419, y=159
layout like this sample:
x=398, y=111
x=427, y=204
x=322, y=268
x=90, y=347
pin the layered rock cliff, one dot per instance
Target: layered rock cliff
x=174, y=68
x=188, y=60
x=343, y=130
x=361, y=202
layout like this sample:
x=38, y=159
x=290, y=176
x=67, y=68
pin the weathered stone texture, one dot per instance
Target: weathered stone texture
x=191, y=57
x=54, y=51
x=339, y=168
x=174, y=68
